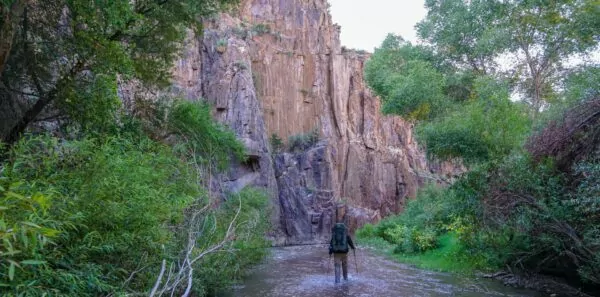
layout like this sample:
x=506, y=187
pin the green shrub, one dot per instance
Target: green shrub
x=220, y=270
x=209, y=142
x=366, y=231
x=97, y=216
x=586, y=199
x=385, y=224
x=417, y=228
x=303, y=141
x=26, y=228
x=410, y=240
x=490, y=127
x=532, y=214
x=431, y=208
x=260, y=29
x=92, y=104
x=585, y=203
x=222, y=42
x=404, y=238
x=425, y=239
x=276, y=143
x=397, y=234
x=107, y=210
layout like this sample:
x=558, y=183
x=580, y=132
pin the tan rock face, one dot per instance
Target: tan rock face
x=277, y=67
x=292, y=62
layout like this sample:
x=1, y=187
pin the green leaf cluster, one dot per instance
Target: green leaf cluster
x=487, y=128
x=98, y=215
x=460, y=114
x=69, y=55
x=405, y=79
x=509, y=208
x=529, y=39
x=463, y=32
x=515, y=212
x=303, y=141
x=97, y=211
x=107, y=210
x=200, y=136
x=219, y=271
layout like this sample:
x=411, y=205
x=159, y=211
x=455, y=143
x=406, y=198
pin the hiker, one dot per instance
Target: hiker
x=340, y=240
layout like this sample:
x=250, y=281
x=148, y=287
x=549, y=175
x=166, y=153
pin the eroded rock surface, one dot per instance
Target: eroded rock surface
x=276, y=67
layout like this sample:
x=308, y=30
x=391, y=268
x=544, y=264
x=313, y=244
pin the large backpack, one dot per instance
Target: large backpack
x=339, y=238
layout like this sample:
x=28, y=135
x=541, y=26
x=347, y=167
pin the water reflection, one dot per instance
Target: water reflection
x=307, y=271
x=342, y=290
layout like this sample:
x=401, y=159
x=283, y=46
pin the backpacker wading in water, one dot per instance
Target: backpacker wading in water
x=340, y=240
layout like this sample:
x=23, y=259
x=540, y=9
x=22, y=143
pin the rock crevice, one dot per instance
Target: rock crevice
x=276, y=67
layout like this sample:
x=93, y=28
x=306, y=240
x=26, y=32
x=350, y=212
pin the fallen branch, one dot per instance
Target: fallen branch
x=159, y=279
x=184, y=272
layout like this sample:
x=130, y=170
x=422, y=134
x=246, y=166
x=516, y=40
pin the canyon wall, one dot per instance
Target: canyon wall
x=275, y=68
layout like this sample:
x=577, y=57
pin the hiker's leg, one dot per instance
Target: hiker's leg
x=337, y=260
x=345, y=266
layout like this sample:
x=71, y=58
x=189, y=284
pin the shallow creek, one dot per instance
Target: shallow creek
x=308, y=271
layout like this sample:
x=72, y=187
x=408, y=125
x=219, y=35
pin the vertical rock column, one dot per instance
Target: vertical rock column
x=227, y=83
x=276, y=67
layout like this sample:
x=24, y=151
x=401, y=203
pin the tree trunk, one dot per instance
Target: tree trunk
x=10, y=19
x=28, y=117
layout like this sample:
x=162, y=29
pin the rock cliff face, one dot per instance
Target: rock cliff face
x=276, y=67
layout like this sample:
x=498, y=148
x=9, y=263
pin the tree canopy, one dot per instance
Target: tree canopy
x=518, y=49
x=539, y=36
x=530, y=197
x=118, y=205
x=65, y=56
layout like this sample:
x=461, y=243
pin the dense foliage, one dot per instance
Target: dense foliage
x=97, y=216
x=64, y=57
x=461, y=113
x=530, y=197
x=220, y=270
x=405, y=77
x=537, y=36
x=101, y=207
x=113, y=201
x=201, y=136
x=486, y=128
x=517, y=212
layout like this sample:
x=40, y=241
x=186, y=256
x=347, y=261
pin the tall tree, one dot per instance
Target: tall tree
x=463, y=113
x=540, y=35
x=11, y=13
x=407, y=78
x=463, y=32
x=68, y=53
x=543, y=35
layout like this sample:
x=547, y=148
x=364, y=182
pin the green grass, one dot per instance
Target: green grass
x=450, y=256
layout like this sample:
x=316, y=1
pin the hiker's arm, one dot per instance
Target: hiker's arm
x=350, y=242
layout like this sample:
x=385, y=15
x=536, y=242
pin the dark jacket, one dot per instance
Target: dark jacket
x=350, y=243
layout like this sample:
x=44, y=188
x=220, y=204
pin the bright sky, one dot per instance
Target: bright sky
x=365, y=23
